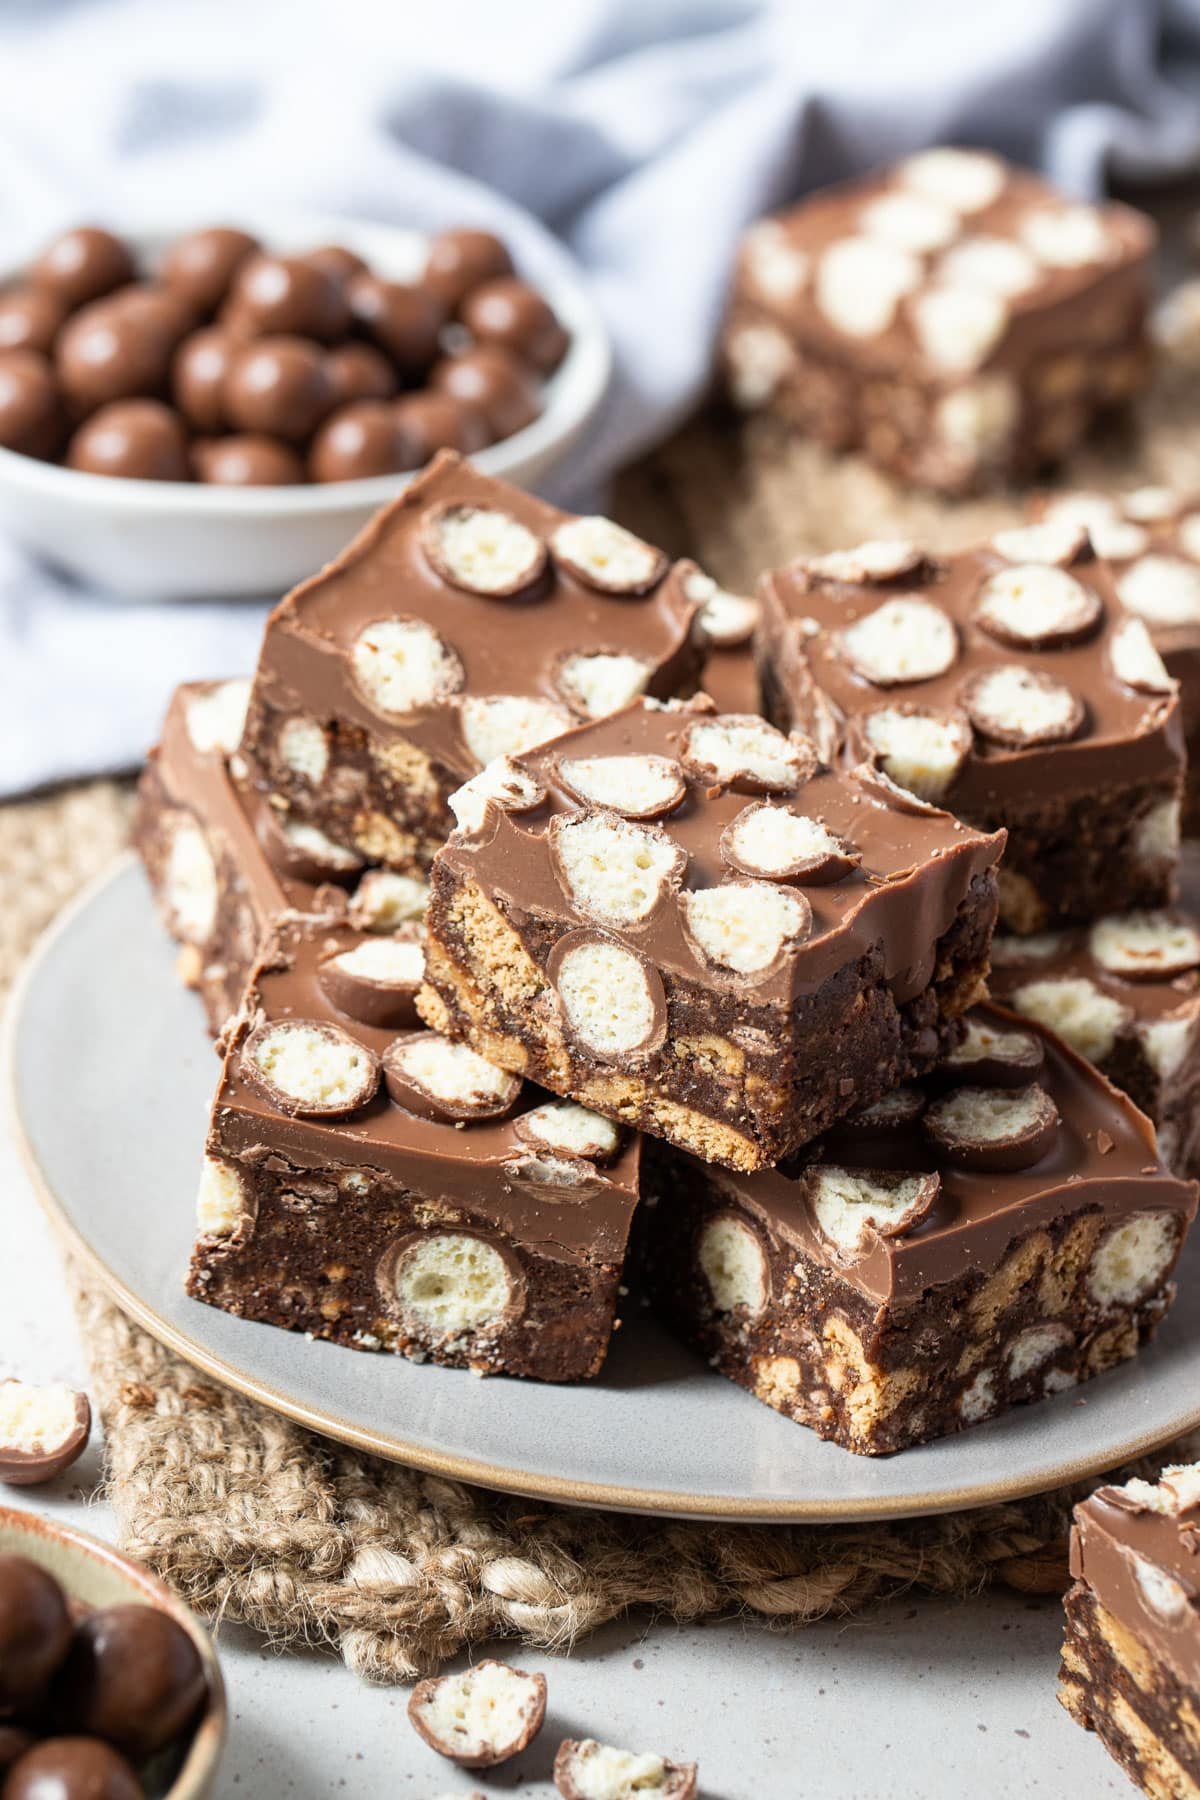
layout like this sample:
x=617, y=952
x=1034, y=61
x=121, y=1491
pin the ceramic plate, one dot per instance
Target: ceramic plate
x=112, y=1077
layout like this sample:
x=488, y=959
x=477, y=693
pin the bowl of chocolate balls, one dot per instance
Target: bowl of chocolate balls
x=109, y=1689
x=217, y=413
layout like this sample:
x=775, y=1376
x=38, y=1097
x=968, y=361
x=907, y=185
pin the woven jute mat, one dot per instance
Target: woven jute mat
x=256, y=1519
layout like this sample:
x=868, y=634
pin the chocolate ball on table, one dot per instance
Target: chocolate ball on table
x=32, y=420
x=286, y=295
x=358, y=441
x=119, y=347
x=337, y=261
x=132, y=1677
x=35, y=1632
x=83, y=265
x=360, y=372
x=200, y=267
x=141, y=440
x=431, y=421
x=72, y=1768
x=246, y=460
x=459, y=260
x=278, y=386
x=402, y=317
x=504, y=389
x=198, y=373
x=514, y=315
x=30, y=318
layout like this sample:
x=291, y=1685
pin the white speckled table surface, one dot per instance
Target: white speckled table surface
x=914, y=1702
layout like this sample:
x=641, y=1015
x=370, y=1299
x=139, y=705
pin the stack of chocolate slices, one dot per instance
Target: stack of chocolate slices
x=574, y=927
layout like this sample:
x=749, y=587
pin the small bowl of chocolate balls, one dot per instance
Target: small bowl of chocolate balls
x=109, y=1689
x=216, y=413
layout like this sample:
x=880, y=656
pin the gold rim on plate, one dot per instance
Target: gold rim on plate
x=556, y=1488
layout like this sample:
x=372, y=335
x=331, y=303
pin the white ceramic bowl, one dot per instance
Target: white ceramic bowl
x=160, y=540
x=98, y=1575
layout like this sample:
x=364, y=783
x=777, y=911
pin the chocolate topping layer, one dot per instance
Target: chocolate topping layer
x=915, y=870
x=1144, y=1568
x=1102, y=1155
x=1126, y=736
x=485, y=1166
x=505, y=645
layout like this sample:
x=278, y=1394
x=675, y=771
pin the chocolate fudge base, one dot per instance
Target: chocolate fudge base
x=382, y=800
x=314, y=1248
x=736, y=1085
x=880, y=1377
x=986, y=431
x=1145, y=1718
x=1068, y=860
x=201, y=898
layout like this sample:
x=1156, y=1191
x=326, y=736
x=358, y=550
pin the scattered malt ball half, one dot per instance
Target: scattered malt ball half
x=215, y=719
x=967, y=180
x=771, y=841
x=913, y=222
x=992, y=1055
x=586, y=1770
x=401, y=666
x=507, y=724
x=850, y=1206
x=994, y=263
x=1148, y=946
x=568, y=1129
x=483, y=550
x=991, y=1128
x=745, y=926
x=1163, y=590
x=860, y=283
x=905, y=639
x=435, y=1078
x=376, y=982
x=612, y=869
x=598, y=682
x=504, y=784
x=310, y=1069
x=743, y=752
x=1035, y=606
x=879, y=559
x=1018, y=708
x=1079, y=1010
x=43, y=1430
x=484, y=1716
x=605, y=556
x=1067, y=237
x=638, y=786
x=304, y=851
x=1136, y=661
x=921, y=749
x=1057, y=541
x=892, y=1112
x=383, y=900
x=725, y=619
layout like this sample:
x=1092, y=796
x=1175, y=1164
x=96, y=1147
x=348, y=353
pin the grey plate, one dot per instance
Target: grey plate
x=111, y=1077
